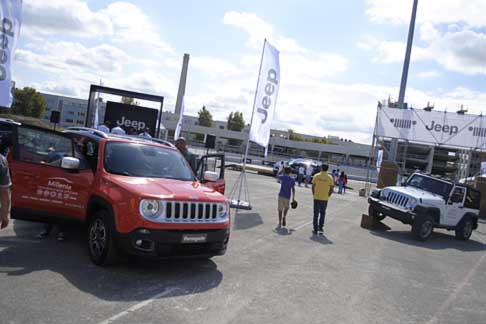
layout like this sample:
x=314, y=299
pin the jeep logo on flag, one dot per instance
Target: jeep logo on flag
x=130, y=116
x=402, y=123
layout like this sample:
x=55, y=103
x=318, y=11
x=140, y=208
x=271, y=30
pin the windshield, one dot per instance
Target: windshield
x=432, y=185
x=140, y=160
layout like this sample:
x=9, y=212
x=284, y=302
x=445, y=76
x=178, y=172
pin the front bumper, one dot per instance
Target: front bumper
x=403, y=215
x=169, y=243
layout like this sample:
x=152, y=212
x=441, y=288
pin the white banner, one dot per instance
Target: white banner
x=435, y=127
x=379, y=159
x=483, y=169
x=10, y=20
x=178, y=129
x=265, y=96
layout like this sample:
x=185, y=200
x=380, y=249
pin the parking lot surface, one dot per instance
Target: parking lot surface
x=349, y=275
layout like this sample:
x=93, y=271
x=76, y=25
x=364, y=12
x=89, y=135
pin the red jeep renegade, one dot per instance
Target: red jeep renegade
x=136, y=195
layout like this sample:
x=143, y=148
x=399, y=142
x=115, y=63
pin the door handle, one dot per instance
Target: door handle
x=461, y=207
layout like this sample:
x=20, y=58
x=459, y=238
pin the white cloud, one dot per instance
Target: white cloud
x=214, y=67
x=462, y=51
x=257, y=28
x=391, y=52
x=428, y=74
x=66, y=56
x=132, y=26
x=69, y=17
x=437, y=12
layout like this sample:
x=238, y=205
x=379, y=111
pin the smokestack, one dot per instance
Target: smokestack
x=182, y=84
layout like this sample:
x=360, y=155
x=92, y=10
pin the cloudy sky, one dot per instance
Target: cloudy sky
x=338, y=58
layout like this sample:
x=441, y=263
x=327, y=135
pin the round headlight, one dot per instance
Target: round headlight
x=149, y=208
x=412, y=203
x=222, y=209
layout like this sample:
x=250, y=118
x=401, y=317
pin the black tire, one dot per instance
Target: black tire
x=374, y=213
x=423, y=227
x=102, y=246
x=464, y=229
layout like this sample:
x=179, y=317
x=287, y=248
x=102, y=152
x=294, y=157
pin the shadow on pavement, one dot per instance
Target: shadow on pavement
x=244, y=221
x=438, y=241
x=135, y=280
x=321, y=239
x=284, y=231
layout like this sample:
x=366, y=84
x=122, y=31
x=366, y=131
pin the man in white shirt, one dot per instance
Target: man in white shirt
x=118, y=131
x=300, y=175
x=105, y=128
x=308, y=174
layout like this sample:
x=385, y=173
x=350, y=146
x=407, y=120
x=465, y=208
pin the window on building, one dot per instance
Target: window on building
x=221, y=127
x=68, y=120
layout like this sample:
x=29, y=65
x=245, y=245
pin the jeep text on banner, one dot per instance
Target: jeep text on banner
x=265, y=96
x=10, y=20
x=435, y=127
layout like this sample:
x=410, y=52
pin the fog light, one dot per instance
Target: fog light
x=138, y=243
x=144, y=231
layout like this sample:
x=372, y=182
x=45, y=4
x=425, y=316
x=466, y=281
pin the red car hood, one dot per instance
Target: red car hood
x=168, y=189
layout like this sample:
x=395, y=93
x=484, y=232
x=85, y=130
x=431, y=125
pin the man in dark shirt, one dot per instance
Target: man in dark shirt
x=190, y=158
x=287, y=190
x=5, y=185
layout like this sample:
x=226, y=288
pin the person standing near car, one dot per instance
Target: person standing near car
x=300, y=175
x=105, y=128
x=287, y=191
x=190, y=157
x=5, y=197
x=308, y=173
x=322, y=188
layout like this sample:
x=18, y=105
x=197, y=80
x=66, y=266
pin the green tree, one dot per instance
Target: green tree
x=129, y=101
x=236, y=122
x=28, y=102
x=293, y=136
x=205, y=118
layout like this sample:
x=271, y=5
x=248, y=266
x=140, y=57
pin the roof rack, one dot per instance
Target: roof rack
x=88, y=130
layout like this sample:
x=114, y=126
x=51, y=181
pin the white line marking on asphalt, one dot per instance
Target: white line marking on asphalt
x=139, y=305
x=302, y=225
x=453, y=295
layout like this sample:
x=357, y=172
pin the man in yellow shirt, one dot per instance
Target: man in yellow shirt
x=322, y=188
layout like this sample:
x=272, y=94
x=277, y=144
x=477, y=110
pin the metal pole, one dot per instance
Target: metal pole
x=243, y=171
x=403, y=83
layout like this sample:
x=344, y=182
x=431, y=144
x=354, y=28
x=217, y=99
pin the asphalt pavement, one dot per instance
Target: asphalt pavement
x=349, y=275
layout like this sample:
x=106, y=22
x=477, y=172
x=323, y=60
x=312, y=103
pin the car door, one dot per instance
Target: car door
x=213, y=163
x=455, y=206
x=41, y=187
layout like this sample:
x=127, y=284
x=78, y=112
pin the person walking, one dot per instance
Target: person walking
x=308, y=173
x=300, y=175
x=322, y=188
x=342, y=182
x=287, y=191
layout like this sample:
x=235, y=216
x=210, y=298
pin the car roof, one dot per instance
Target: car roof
x=97, y=135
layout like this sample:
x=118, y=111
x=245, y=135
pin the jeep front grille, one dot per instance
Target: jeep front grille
x=191, y=212
x=396, y=198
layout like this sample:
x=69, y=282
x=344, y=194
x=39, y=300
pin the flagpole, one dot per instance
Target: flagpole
x=243, y=172
x=254, y=102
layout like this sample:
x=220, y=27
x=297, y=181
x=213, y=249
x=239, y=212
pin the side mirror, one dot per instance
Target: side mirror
x=70, y=163
x=210, y=176
x=404, y=183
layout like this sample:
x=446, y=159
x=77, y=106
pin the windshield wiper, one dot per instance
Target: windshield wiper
x=124, y=173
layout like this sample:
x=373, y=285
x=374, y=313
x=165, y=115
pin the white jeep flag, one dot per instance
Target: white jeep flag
x=178, y=129
x=10, y=20
x=265, y=96
x=379, y=159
